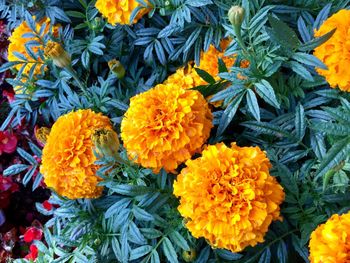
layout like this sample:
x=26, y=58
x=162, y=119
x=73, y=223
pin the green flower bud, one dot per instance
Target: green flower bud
x=236, y=15
x=117, y=68
x=106, y=143
x=189, y=256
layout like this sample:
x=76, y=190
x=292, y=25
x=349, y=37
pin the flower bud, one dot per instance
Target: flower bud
x=58, y=55
x=236, y=15
x=189, y=256
x=106, y=143
x=41, y=135
x=117, y=68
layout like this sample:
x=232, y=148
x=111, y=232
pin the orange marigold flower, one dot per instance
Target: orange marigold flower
x=119, y=11
x=68, y=159
x=335, y=53
x=329, y=243
x=165, y=126
x=17, y=43
x=228, y=196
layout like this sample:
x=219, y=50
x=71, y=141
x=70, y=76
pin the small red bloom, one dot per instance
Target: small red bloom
x=32, y=233
x=33, y=252
x=8, y=142
x=9, y=95
x=47, y=205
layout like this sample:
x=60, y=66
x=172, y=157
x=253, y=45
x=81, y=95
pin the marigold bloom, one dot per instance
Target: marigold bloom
x=119, y=11
x=17, y=43
x=59, y=56
x=68, y=159
x=165, y=126
x=228, y=196
x=329, y=243
x=335, y=53
x=189, y=78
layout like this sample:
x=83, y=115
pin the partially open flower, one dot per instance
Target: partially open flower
x=41, y=135
x=117, y=68
x=106, y=143
x=59, y=56
x=8, y=142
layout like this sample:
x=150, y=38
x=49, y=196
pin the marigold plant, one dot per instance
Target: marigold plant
x=228, y=196
x=119, y=12
x=329, y=243
x=18, y=41
x=68, y=159
x=335, y=53
x=165, y=126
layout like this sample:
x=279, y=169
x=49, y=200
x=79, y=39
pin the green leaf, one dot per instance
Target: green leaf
x=253, y=105
x=311, y=45
x=228, y=114
x=285, y=36
x=338, y=153
x=205, y=76
x=300, y=70
x=117, y=207
x=266, y=92
x=129, y=190
x=308, y=59
x=227, y=255
x=266, y=256
x=331, y=128
x=265, y=128
x=155, y=257
x=169, y=250
x=288, y=179
x=15, y=169
x=140, y=252
x=302, y=251
x=300, y=125
x=141, y=214
x=230, y=92
x=179, y=240
x=282, y=252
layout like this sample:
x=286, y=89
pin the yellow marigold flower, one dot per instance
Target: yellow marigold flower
x=329, y=243
x=68, y=159
x=59, y=56
x=165, y=126
x=17, y=43
x=228, y=196
x=335, y=53
x=119, y=11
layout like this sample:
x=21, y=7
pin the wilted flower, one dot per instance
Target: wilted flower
x=335, y=53
x=41, y=134
x=165, y=126
x=329, y=243
x=59, y=56
x=228, y=196
x=8, y=142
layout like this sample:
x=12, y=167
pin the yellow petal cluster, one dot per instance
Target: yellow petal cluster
x=17, y=43
x=330, y=242
x=189, y=78
x=228, y=196
x=165, y=126
x=119, y=11
x=335, y=53
x=68, y=159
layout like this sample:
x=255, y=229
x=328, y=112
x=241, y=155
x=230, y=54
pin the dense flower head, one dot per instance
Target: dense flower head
x=17, y=43
x=330, y=242
x=335, y=53
x=165, y=126
x=119, y=11
x=228, y=196
x=68, y=159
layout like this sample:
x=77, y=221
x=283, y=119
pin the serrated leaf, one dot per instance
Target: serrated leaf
x=15, y=169
x=140, y=252
x=253, y=105
x=311, y=45
x=266, y=92
x=169, y=251
x=142, y=214
x=266, y=256
x=308, y=59
x=285, y=36
x=300, y=124
x=179, y=240
x=300, y=70
x=205, y=76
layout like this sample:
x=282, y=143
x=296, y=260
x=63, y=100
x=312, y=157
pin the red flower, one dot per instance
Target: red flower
x=47, y=205
x=7, y=187
x=32, y=233
x=9, y=95
x=33, y=252
x=8, y=142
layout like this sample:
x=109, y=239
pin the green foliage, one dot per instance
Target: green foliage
x=280, y=104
